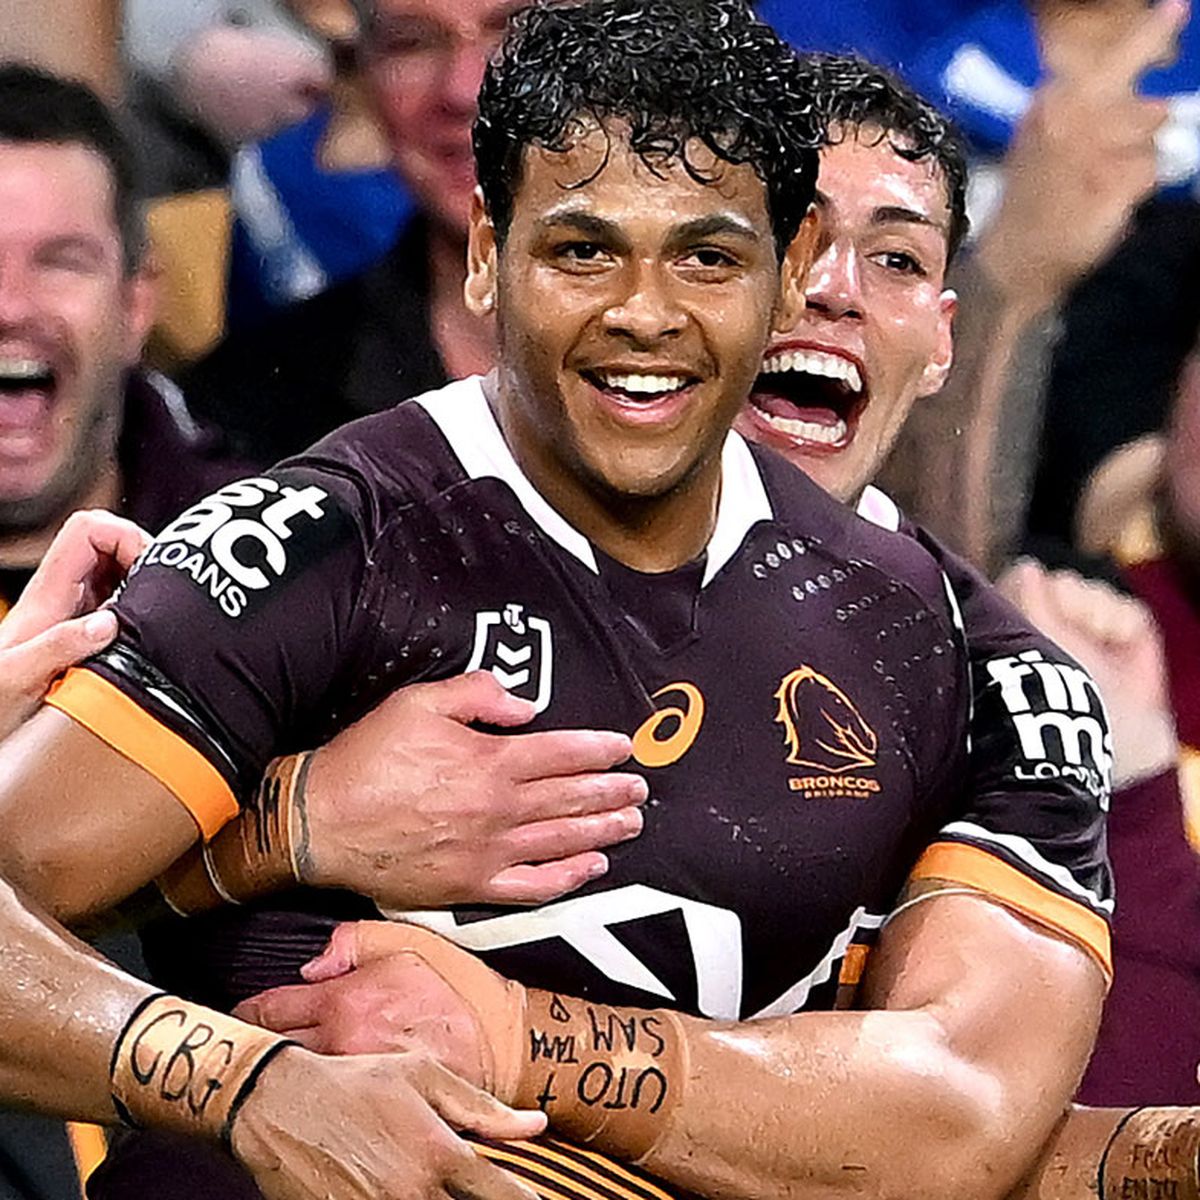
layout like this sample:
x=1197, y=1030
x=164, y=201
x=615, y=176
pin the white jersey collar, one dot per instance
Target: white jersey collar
x=879, y=508
x=461, y=411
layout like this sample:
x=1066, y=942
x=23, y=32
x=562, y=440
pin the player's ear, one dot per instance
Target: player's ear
x=793, y=279
x=479, y=290
x=140, y=301
x=938, y=367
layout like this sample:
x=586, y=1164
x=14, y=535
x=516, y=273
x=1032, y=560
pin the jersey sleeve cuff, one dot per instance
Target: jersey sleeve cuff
x=115, y=718
x=974, y=868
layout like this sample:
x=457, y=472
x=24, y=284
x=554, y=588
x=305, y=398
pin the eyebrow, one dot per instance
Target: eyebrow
x=714, y=225
x=599, y=228
x=584, y=223
x=887, y=214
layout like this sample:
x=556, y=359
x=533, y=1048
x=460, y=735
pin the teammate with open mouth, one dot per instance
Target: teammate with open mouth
x=812, y=396
x=26, y=396
x=835, y=390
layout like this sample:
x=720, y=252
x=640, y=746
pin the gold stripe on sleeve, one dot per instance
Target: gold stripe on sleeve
x=957, y=862
x=112, y=716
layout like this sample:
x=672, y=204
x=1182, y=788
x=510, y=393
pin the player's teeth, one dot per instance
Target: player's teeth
x=814, y=362
x=809, y=431
x=23, y=368
x=645, y=385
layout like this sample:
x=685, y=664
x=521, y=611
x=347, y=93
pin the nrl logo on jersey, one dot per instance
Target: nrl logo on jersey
x=518, y=650
x=824, y=730
x=1059, y=718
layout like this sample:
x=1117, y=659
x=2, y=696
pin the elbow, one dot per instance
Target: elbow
x=50, y=878
x=957, y=1138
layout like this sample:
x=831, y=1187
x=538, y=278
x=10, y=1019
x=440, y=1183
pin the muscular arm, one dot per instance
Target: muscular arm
x=978, y=1029
x=81, y=827
x=62, y=1008
x=67, y=1050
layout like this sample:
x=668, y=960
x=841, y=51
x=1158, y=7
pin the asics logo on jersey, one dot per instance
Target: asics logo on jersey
x=665, y=737
x=230, y=550
x=519, y=652
x=1059, y=718
x=822, y=727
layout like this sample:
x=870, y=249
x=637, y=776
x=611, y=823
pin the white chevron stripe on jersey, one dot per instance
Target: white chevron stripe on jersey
x=796, y=996
x=583, y=922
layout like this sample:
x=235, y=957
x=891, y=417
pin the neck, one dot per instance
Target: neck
x=651, y=534
x=23, y=550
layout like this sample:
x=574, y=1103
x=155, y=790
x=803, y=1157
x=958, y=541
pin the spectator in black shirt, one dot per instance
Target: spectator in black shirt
x=401, y=327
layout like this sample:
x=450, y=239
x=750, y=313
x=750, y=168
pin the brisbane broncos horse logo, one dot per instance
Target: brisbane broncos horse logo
x=821, y=726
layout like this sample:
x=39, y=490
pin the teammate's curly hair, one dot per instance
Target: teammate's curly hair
x=851, y=93
x=673, y=72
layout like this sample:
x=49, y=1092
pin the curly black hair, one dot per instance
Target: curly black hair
x=673, y=72
x=851, y=93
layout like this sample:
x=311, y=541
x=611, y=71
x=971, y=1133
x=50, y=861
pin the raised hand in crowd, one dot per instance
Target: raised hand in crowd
x=1114, y=638
x=55, y=623
x=245, y=84
x=1081, y=161
x=1084, y=155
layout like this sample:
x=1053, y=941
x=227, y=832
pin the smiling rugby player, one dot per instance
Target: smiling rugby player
x=584, y=514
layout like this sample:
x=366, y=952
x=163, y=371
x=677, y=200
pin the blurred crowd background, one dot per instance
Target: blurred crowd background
x=307, y=178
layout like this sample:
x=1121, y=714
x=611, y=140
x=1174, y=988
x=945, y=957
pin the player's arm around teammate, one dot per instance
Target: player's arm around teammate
x=468, y=817
x=82, y=1038
x=977, y=1030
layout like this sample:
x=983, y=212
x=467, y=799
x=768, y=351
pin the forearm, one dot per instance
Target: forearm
x=1118, y=1152
x=821, y=1104
x=961, y=465
x=263, y=850
x=62, y=1009
x=945, y=1085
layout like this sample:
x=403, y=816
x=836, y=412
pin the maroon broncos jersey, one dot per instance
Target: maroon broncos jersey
x=800, y=698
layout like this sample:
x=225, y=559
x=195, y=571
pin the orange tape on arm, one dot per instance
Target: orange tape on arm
x=254, y=855
x=182, y=1067
x=605, y=1076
